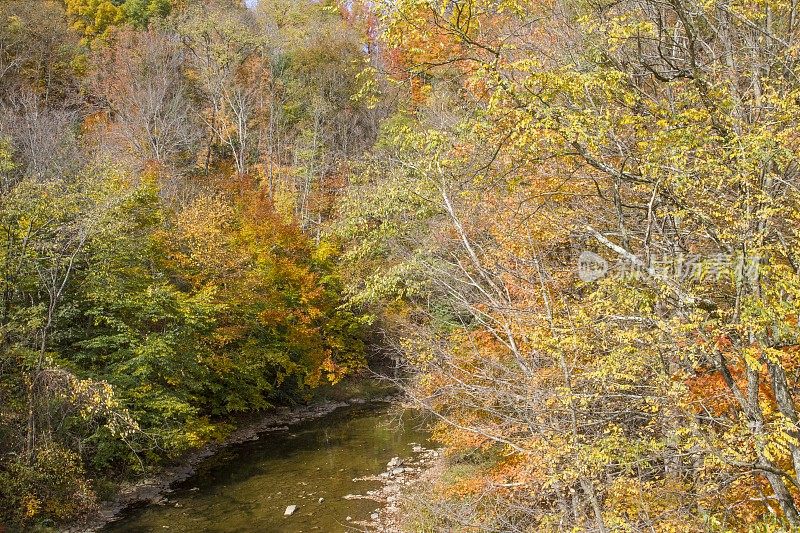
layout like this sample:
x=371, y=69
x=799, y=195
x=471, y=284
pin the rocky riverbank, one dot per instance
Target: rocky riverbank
x=154, y=490
x=400, y=477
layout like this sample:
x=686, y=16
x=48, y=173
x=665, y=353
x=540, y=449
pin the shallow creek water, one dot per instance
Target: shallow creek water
x=247, y=487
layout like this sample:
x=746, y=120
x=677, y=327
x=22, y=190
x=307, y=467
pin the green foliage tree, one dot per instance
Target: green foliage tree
x=146, y=300
x=94, y=19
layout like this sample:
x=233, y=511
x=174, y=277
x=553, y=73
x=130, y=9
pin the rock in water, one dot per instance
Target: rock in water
x=290, y=510
x=396, y=461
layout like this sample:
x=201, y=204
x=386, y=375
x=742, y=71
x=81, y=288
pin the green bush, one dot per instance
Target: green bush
x=52, y=484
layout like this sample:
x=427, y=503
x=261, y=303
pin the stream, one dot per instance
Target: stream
x=247, y=487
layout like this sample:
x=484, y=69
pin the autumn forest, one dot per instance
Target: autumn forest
x=571, y=228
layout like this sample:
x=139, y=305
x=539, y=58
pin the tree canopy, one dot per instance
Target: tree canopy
x=574, y=224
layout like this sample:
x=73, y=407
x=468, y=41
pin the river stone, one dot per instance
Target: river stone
x=395, y=461
x=290, y=510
